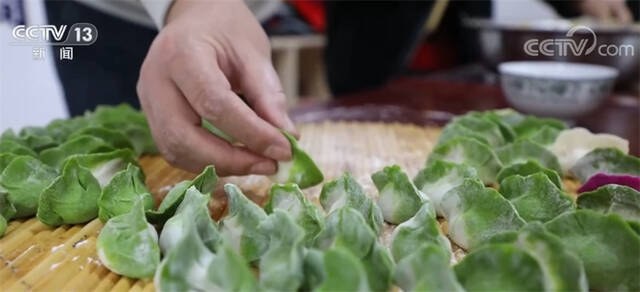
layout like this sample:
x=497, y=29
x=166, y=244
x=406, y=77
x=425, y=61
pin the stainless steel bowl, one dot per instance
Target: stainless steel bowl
x=501, y=42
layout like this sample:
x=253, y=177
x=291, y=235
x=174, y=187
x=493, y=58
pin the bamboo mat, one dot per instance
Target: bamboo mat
x=34, y=257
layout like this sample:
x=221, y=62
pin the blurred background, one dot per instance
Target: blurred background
x=31, y=94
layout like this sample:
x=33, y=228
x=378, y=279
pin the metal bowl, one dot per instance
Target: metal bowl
x=501, y=42
x=556, y=89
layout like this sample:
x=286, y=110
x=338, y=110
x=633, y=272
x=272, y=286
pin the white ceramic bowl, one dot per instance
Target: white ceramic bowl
x=556, y=89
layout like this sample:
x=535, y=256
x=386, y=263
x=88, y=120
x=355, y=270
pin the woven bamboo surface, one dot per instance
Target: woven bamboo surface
x=34, y=257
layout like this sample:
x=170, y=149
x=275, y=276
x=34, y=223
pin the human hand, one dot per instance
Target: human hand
x=207, y=50
x=603, y=10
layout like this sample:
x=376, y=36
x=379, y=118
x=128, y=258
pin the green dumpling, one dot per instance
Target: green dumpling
x=105, y=165
x=119, y=195
x=192, y=210
x=301, y=170
x=605, y=160
x=562, y=269
x=398, y=198
x=473, y=127
x=72, y=198
x=413, y=233
x=500, y=267
x=240, y=227
x=289, y=198
x=527, y=168
x=426, y=269
x=113, y=137
x=475, y=214
x=607, y=246
x=187, y=266
x=535, y=197
x=82, y=144
x=23, y=180
x=204, y=183
x=440, y=177
x=464, y=150
x=344, y=272
x=236, y=274
x=345, y=191
x=281, y=266
x=612, y=198
x=128, y=245
x=346, y=228
x=524, y=150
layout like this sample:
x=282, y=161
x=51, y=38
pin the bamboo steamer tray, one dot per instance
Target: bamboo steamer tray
x=35, y=257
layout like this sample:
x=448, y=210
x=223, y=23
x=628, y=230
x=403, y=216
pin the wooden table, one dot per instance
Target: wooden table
x=424, y=101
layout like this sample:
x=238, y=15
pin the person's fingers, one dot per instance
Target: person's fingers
x=621, y=12
x=263, y=90
x=183, y=143
x=209, y=93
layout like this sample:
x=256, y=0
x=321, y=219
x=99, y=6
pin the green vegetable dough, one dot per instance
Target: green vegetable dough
x=314, y=273
x=525, y=126
x=475, y=214
x=562, y=269
x=104, y=166
x=535, y=197
x=187, y=266
x=612, y=198
x=346, y=228
x=240, y=227
x=525, y=150
x=114, y=138
x=527, y=168
x=345, y=191
x=281, y=266
x=439, y=177
x=193, y=210
x=7, y=210
x=71, y=198
x=34, y=138
x=399, y=199
x=204, y=183
x=378, y=265
x=213, y=129
x=128, y=245
x=464, y=150
x=289, y=198
x=3, y=225
x=128, y=120
x=228, y=271
x=473, y=127
x=76, y=145
x=344, y=272
x=23, y=180
x=607, y=246
x=60, y=129
x=301, y=170
x=413, y=233
x=11, y=146
x=500, y=267
x=426, y=269
x=119, y=195
x=5, y=159
x=545, y=136
x=606, y=160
